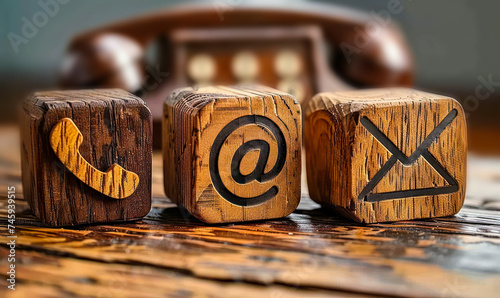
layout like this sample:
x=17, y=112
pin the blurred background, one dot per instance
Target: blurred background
x=448, y=47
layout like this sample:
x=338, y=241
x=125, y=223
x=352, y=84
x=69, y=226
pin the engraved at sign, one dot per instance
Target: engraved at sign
x=258, y=172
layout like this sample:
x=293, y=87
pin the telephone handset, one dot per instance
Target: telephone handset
x=116, y=182
x=302, y=51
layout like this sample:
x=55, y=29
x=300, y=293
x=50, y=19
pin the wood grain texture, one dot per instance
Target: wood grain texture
x=386, y=154
x=232, y=154
x=310, y=253
x=116, y=129
x=115, y=182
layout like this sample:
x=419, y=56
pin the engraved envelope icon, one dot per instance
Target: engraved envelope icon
x=395, y=178
x=382, y=155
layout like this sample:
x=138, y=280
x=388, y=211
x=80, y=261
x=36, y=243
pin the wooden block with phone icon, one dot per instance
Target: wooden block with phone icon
x=386, y=154
x=232, y=154
x=86, y=156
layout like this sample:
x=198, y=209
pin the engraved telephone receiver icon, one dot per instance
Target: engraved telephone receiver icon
x=116, y=182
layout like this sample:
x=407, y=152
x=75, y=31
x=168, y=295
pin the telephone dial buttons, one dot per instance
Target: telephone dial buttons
x=288, y=64
x=201, y=68
x=245, y=66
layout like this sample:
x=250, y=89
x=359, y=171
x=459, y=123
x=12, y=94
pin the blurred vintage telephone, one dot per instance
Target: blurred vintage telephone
x=301, y=51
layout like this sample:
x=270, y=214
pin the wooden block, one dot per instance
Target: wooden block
x=386, y=154
x=232, y=153
x=86, y=156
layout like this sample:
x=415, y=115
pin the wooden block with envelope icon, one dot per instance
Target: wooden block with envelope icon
x=86, y=156
x=232, y=154
x=386, y=154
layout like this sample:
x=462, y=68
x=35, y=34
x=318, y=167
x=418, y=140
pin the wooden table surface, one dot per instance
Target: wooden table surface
x=309, y=253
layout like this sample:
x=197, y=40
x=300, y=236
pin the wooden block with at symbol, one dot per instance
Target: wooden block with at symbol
x=386, y=154
x=232, y=153
x=86, y=156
